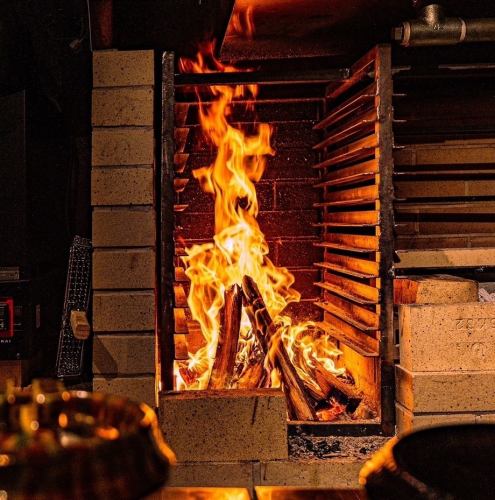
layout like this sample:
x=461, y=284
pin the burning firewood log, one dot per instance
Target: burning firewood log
x=329, y=383
x=223, y=366
x=255, y=374
x=299, y=405
x=252, y=376
x=315, y=391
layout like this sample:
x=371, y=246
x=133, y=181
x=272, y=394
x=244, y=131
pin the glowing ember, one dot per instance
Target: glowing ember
x=239, y=247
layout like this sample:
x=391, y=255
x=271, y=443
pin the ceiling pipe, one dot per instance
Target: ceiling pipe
x=433, y=28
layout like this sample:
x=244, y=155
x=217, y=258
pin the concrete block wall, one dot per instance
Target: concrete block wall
x=222, y=439
x=447, y=353
x=124, y=229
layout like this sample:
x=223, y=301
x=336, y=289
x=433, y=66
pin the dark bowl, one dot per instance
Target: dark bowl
x=77, y=444
x=451, y=462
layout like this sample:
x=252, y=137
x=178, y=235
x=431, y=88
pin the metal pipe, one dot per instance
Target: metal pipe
x=433, y=28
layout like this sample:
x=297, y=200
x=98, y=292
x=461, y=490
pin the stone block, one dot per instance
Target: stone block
x=123, y=311
x=124, y=227
x=122, y=106
x=122, y=146
x=436, y=289
x=122, y=186
x=139, y=389
x=445, y=392
x=485, y=418
x=447, y=337
x=124, y=269
x=124, y=354
x=331, y=473
x=199, y=492
x=407, y=421
x=212, y=474
x=113, y=68
x=225, y=425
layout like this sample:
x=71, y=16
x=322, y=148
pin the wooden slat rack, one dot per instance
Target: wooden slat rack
x=356, y=221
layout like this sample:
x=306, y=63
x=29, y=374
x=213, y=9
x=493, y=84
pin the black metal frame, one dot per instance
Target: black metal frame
x=383, y=101
x=166, y=221
x=167, y=250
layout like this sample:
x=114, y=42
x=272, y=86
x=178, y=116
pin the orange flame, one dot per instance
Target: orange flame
x=242, y=22
x=239, y=247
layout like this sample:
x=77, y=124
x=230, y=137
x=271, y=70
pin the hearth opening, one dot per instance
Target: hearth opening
x=279, y=210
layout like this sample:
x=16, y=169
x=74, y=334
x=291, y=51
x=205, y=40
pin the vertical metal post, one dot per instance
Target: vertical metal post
x=166, y=222
x=383, y=76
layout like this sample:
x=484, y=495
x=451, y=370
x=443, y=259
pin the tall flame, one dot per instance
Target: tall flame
x=239, y=247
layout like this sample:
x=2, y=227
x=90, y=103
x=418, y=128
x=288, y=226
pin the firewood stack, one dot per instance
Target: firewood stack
x=270, y=353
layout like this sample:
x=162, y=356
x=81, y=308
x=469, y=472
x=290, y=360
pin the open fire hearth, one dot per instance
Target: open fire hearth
x=279, y=274
x=285, y=245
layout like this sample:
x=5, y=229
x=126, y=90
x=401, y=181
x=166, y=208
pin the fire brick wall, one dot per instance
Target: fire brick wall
x=447, y=353
x=124, y=233
x=285, y=192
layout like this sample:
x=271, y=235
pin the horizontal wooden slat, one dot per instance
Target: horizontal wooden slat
x=358, y=71
x=180, y=207
x=358, y=217
x=362, y=344
x=369, y=193
x=369, y=267
x=351, y=179
x=359, y=149
x=343, y=270
x=180, y=345
x=180, y=296
x=343, y=248
x=180, y=184
x=342, y=224
x=352, y=313
x=360, y=124
x=353, y=240
x=366, y=315
x=359, y=168
x=444, y=188
x=344, y=326
x=355, y=288
x=180, y=138
x=180, y=275
x=194, y=337
x=444, y=258
x=343, y=203
x=180, y=322
x=180, y=113
x=339, y=313
x=349, y=107
x=344, y=293
x=180, y=161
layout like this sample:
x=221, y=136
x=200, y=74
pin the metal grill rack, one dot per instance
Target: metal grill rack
x=77, y=292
